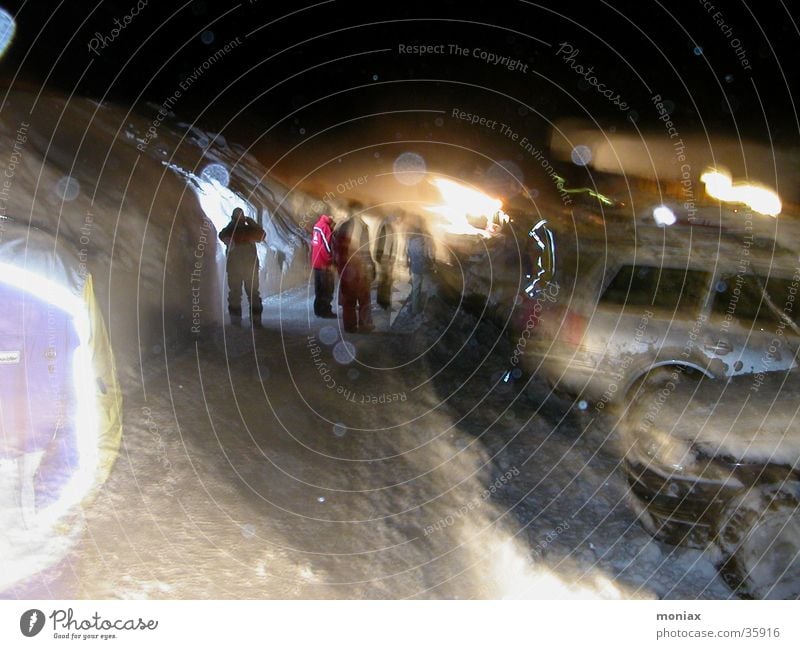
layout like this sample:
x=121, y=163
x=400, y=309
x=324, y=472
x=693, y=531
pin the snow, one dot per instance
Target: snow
x=253, y=479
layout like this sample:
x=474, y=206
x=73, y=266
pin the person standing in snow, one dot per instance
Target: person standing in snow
x=356, y=272
x=322, y=263
x=385, y=252
x=240, y=237
x=419, y=261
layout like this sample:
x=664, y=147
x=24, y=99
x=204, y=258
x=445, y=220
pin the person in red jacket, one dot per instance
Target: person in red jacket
x=322, y=263
x=240, y=236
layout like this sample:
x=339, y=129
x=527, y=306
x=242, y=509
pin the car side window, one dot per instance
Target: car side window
x=656, y=287
x=755, y=300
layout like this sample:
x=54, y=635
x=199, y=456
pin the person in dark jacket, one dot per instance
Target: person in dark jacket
x=240, y=236
x=356, y=272
x=322, y=263
x=420, y=262
x=385, y=253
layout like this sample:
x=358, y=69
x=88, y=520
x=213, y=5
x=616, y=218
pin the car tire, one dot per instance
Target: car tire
x=758, y=535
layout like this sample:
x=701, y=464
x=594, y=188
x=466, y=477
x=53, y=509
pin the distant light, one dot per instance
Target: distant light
x=581, y=155
x=216, y=200
x=7, y=30
x=663, y=216
x=207, y=37
x=461, y=202
x=760, y=199
x=409, y=168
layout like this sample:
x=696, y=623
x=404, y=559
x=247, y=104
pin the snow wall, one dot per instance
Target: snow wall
x=133, y=196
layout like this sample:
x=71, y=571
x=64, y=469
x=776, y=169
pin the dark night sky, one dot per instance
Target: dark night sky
x=301, y=68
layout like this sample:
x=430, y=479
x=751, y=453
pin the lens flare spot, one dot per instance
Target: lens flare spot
x=581, y=155
x=68, y=188
x=344, y=352
x=409, y=168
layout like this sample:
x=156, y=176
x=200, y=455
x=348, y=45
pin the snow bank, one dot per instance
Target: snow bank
x=123, y=190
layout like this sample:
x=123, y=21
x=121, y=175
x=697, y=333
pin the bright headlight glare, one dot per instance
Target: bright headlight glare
x=760, y=199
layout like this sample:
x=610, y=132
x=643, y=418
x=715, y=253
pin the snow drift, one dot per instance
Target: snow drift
x=141, y=213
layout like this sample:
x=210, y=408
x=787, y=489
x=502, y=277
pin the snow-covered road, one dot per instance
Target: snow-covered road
x=270, y=464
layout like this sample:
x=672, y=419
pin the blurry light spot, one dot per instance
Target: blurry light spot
x=721, y=286
x=302, y=131
x=68, y=188
x=729, y=78
x=339, y=430
x=516, y=373
x=377, y=154
x=518, y=300
x=409, y=168
x=662, y=215
x=438, y=121
x=248, y=531
x=374, y=77
x=698, y=51
x=581, y=155
x=353, y=374
x=328, y=335
x=218, y=172
x=321, y=499
x=7, y=30
x=156, y=349
x=633, y=116
x=505, y=176
x=207, y=37
x=344, y=352
x=582, y=404
x=460, y=202
x=763, y=200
